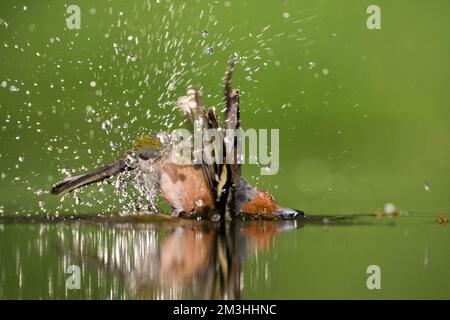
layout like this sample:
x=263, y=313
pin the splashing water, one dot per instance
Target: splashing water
x=99, y=100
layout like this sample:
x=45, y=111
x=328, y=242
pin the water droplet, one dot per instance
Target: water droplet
x=131, y=57
x=326, y=224
x=199, y=202
x=131, y=160
x=106, y=125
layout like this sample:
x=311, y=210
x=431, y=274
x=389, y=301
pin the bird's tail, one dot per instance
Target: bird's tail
x=98, y=175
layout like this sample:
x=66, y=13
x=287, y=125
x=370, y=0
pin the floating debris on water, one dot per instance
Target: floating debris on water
x=379, y=214
x=443, y=219
x=391, y=210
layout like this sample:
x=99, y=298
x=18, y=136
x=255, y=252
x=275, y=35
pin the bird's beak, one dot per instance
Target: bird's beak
x=288, y=213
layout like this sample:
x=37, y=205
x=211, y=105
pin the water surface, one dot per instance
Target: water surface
x=146, y=258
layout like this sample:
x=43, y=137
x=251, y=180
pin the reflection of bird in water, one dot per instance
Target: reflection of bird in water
x=214, y=190
x=200, y=260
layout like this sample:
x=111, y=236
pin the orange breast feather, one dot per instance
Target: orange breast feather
x=185, y=188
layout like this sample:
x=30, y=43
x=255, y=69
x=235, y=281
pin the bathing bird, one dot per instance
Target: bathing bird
x=214, y=190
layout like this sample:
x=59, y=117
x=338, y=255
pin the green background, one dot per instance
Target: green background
x=364, y=115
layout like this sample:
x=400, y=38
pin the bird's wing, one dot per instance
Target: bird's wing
x=232, y=121
x=232, y=147
x=222, y=175
x=194, y=111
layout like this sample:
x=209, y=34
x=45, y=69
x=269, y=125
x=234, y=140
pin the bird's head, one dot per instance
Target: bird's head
x=250, y=200
x=147, y=147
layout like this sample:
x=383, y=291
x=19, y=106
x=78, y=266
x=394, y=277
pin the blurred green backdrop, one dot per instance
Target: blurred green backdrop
x=364, y=114
x=364, y=119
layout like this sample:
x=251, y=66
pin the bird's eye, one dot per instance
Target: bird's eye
x=240, y=197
